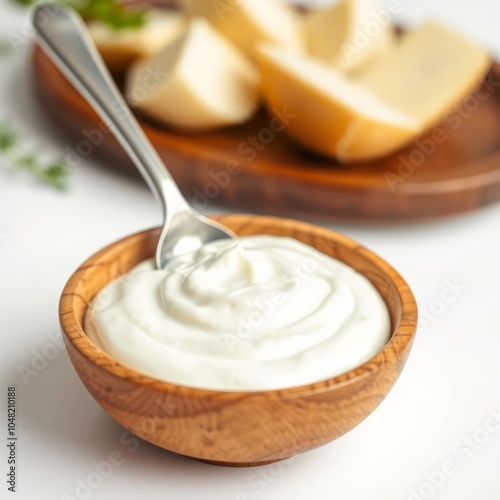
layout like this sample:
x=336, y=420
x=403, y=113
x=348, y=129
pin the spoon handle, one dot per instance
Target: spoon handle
x=66, y=39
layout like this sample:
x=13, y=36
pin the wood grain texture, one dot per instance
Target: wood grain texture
x=237, y=428
x=453, y=169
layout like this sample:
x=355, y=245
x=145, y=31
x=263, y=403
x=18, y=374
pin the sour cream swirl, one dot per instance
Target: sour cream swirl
x=260, y=312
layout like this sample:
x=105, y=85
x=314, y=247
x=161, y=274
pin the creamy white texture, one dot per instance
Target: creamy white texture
x=260, y=312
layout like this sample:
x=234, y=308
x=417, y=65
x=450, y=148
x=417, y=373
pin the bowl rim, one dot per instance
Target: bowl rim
x=402, y=334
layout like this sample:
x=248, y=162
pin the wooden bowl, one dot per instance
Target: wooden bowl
x=237, y=428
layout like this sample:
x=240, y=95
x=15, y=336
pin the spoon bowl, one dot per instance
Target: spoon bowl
x=186, y=231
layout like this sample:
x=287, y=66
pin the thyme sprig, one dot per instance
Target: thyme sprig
x=54, y=173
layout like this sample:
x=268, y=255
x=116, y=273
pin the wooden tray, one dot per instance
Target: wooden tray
x=429, y=178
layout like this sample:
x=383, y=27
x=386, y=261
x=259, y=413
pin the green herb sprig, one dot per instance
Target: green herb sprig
x=111, y=12
x=54, y=173
x=115, y=15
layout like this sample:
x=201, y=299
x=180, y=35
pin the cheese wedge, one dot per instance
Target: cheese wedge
x=432, y=70
x=119, y=48
x=333, y=116
x=248, y=22
x=199, y=81
x=352, y=35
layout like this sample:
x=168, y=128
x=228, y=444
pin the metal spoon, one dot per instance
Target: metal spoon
x=66, y=39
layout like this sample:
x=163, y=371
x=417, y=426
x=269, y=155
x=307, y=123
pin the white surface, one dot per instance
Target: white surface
x=446, y=393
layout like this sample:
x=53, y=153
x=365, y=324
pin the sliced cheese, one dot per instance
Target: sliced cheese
x=333, y=116
x=119, y=48
x=432, y=70
x=248, y=22
x=199, y=81
x=352, y=35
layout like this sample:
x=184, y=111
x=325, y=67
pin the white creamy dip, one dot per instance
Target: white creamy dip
x=260, y=312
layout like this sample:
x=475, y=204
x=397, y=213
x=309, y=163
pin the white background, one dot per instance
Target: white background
x=449, y=387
